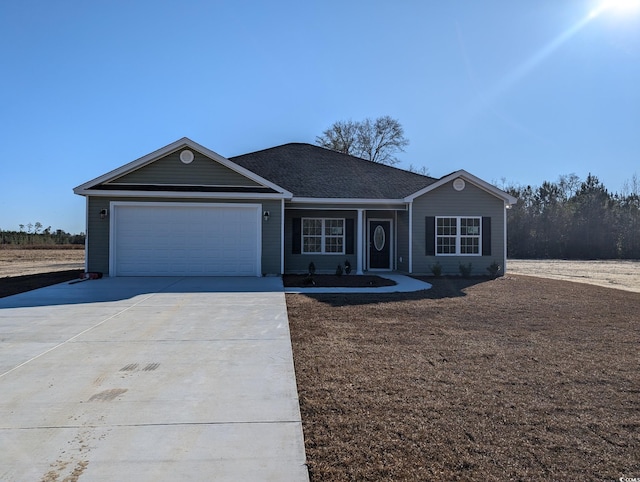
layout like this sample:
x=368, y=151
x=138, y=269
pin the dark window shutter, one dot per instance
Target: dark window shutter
x=296, y=239
x=348, y=233
x=430, y=237
x=486, y=236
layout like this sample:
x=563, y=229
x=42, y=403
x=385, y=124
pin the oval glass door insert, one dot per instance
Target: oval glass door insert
x=379, y=238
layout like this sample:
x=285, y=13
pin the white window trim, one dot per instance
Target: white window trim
x=458, y=236
x=323, y=240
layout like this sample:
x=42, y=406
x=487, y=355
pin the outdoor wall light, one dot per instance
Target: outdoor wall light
x=266, y=215
x=104, y=213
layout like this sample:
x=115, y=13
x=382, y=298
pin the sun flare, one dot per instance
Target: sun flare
x=623, y=7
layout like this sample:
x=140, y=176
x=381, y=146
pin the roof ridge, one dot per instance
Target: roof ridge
x=356, y=158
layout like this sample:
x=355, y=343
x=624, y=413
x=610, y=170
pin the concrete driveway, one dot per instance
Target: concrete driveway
x=149, y=379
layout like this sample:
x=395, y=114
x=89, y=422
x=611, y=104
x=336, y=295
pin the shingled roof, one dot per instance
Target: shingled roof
x=312, y=171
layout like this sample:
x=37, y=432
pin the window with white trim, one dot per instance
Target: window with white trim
x=458, y=235
x=323, y=235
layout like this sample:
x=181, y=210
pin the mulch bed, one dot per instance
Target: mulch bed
x=325, y=280
x=19, y=284
x=517, y=378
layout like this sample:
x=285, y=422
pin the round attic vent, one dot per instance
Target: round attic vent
x=186, y=156
x=458, y=184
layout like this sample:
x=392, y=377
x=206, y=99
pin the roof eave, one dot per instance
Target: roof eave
x=333, y=200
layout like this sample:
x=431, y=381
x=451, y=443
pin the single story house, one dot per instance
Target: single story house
x=185, y=210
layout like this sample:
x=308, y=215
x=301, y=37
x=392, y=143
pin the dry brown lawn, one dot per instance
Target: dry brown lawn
x=519, y=378
x=21, y=262
x=619, y=274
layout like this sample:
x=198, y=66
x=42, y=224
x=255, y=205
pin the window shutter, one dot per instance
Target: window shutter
x=349, y=238
x=430, y=237
x=486, y=236
x=296, y=239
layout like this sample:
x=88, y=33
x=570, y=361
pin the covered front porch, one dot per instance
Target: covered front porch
x=368, y=239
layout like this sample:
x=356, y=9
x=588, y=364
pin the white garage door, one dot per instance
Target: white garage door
x=172, y=239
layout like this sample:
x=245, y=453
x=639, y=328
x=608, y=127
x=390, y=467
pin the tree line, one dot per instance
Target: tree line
x=574, y=219
x=35, y=234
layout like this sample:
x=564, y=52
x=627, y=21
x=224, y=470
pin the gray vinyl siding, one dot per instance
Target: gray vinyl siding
x=446, y=201
x=202, y=171
x=402, y=255
x=325, y=263
x=98, y=230
x=271, y=235
x=97, y=236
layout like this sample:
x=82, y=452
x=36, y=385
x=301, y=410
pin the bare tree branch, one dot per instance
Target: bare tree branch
x=377, y=141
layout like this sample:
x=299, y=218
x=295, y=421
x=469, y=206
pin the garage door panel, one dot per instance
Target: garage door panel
x=200, y=240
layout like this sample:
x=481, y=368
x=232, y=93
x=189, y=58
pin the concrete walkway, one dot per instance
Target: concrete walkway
x=404, y=284
x=149, y=379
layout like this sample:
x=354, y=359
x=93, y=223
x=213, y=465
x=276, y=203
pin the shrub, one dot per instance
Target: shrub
x=494, y=269
x=339, y=270
x=347, y=267
x=312, y=268
x=436, y=269
x=465, y=270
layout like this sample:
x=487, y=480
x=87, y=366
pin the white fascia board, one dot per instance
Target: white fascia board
x=133, y=165
x=174, y=146
x=181, y=194
x=333, y=200
x=508, y=198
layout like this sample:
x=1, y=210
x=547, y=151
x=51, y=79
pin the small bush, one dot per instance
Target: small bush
x=312, y=268
x=494, y=269
x=339, y=270
x=465, y=270
x=347, y=267
x=436, y=269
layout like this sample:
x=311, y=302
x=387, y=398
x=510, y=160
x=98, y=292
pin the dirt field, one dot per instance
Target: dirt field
x=20, y=262
x=623, y=275
x=519, y=378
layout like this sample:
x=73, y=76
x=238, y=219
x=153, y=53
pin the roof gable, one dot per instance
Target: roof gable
x=310, y=171
x=476, y=181
x=163, y=168
x=171, y=170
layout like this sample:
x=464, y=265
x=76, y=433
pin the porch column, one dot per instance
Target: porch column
x=411, y=237
x=359, y=242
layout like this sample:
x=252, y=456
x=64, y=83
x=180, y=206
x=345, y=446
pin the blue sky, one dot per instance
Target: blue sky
x=521, y=91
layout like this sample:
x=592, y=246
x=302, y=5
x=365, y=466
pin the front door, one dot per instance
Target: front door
x=379, y=244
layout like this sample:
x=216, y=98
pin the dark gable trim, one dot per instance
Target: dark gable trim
x=486, y=236
x=170, y=188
